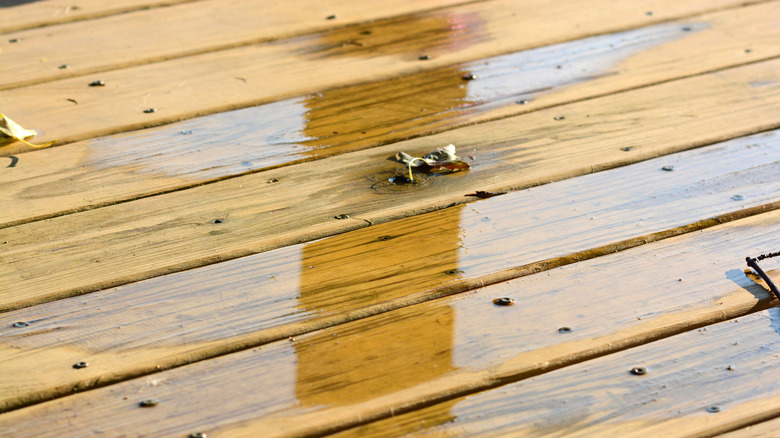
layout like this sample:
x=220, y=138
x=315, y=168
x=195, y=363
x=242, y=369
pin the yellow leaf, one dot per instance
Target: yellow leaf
x=9, y=128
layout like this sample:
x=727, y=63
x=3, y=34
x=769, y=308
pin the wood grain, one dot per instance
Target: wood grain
x=731, y=367
x=153, y=35
x=172, y=320
x=20, y=14
x=229, y=79
x=764, y=429
x=413, y=357
x=100, y=172
x=77, y=253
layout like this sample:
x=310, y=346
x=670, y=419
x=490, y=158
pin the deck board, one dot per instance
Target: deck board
x=378, y=268
x=122, y=167
x=20, y=14
x=686, y=375
x=201, y=253
x=231, y=79
x=336, y=377
x=153, y=35
x=158, y=235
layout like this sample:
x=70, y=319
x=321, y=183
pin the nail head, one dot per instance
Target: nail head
x=148, y=403
x=19, y=324
x=638, y=371
x=80, y=365
x=504, y=301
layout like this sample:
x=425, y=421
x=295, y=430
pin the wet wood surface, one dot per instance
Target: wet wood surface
x=254, y=213
x=247, y=264
x=381, y=366
x=230, y=79
x=379, y=268
x=700, y=383
x=157, y=34
x=126, y=166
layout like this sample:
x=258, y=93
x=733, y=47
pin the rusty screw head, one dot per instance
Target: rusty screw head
x=148, y=403
x=503, y=301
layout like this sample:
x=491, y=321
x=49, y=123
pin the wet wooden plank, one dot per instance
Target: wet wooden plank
x=21, y=14
x=246, y=76
x=173, y=320
x=697, y=384
x=376, y=367
x=122, y=167
x=100, y=248
x=158, y=34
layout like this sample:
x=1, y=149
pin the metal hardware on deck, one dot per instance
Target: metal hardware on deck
x=753, y=263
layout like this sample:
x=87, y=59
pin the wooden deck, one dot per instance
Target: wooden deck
x=214, y=247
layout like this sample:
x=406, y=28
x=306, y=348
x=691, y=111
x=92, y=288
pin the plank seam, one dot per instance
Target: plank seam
x=274, y=334
x=737, y=425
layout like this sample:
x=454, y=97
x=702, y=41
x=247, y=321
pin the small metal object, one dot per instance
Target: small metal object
x=197, y=435
x=341, y=216
x=713, y=409
x=560, y=118
x=150, y=110
x=521, y=102
x=687, y=29
x=63, y=66
x=14, y=40
x=627, y=148
x=730, y=368
x=19, y=324
x=185, y=132
x=453, y=272
x=639, y=371
x=97, y=84
x=272, y=180
x=331, y=17
x=565, y=330
x=80, y=365
x=218, y=221
x=148, y=403
x=753, y=263
x=503, y=301
x=469, y=77
x=737, y=197
x=424, y=57
x=668, y=168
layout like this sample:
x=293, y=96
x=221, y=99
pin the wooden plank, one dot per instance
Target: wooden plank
x=153, y=236
x=122, y=167
x=20, y=14
x=158, y=34
x=416, y=356
x=257, y=74
x=765, y=429
x=376, y=269
x=698, y=384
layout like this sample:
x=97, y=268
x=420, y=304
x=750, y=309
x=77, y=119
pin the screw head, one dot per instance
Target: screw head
x=19, y=324
x=713, y=409
x=80, y=365
x=197, y=435
x=504, y=301
x=148, y=403
x=565, y=330
x=97, y=84
x=668, y=168
x=639, y=371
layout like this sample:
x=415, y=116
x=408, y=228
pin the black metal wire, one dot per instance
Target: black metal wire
x=753, y=263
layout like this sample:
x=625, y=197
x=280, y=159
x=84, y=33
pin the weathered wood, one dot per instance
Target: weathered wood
x=410, y=358
x=375, y=269
x=229, y=79
x=158, y=34
x=88, y=174
x=760, y=430
x=20, y=14
x=127, y=242
x=730, y=368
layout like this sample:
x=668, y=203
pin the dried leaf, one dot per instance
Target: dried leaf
x=9, y=128
x=442, y=160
